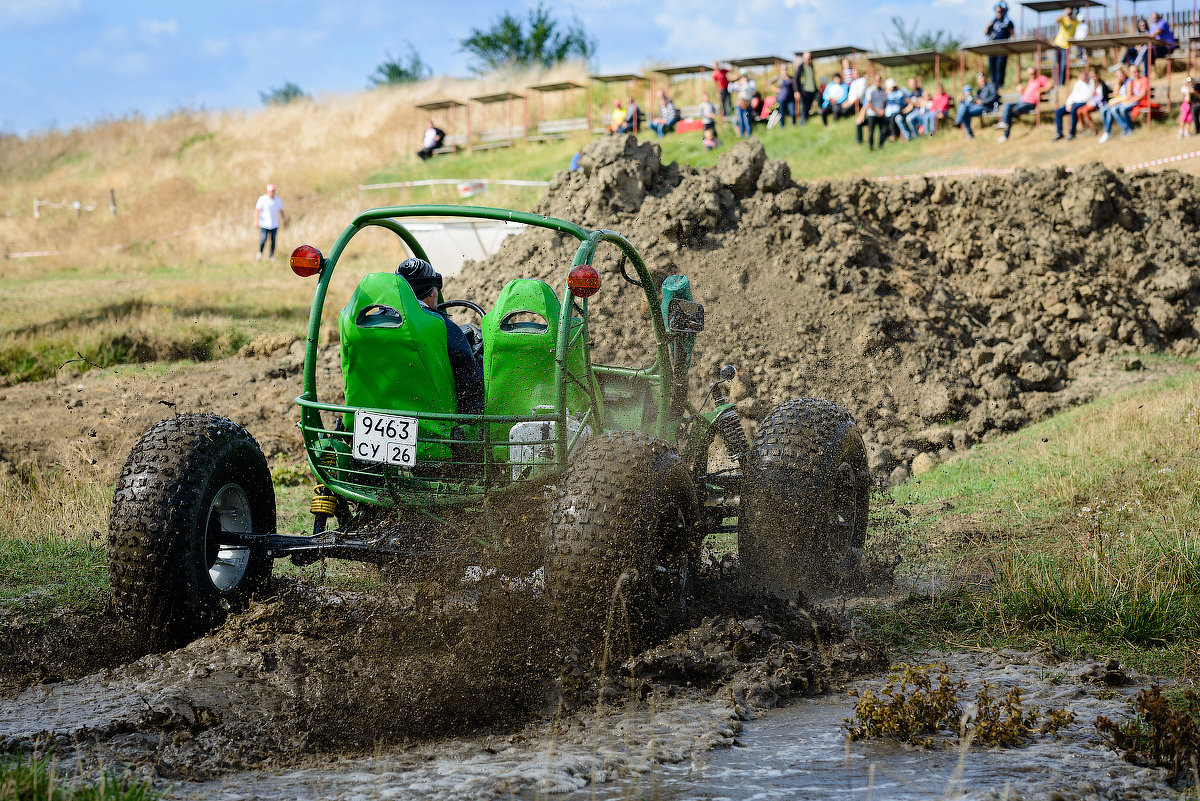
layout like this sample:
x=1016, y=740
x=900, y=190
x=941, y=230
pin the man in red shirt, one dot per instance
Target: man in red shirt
x=1028, y=102
x=721, y=76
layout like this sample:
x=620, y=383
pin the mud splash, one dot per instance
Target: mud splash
x=315, y=671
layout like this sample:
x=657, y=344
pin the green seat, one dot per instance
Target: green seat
x=520, y=336
x=394, y=357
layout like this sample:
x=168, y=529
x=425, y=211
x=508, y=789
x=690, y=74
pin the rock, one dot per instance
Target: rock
x=738, y=168
x=996, y=266
x=923, y=463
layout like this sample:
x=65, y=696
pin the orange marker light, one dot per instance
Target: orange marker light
x=583, y=281
x=306, y=261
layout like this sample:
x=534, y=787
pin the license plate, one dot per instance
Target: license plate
x=385, y=438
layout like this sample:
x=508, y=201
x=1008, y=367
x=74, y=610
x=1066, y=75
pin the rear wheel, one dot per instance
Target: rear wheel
x=187, y=480
x=622, y=533
x=803, y=521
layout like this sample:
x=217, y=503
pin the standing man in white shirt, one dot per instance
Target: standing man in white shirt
x=268, y=216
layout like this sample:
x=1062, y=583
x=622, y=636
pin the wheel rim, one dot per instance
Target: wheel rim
x=229, y=511
x=843, y=515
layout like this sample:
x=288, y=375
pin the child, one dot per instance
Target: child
x=1188, y=108
x=710, y=139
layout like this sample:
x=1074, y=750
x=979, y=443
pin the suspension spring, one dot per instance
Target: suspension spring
x=729, y=423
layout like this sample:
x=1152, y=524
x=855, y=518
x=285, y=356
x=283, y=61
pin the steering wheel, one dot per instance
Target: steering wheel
x=472, y=331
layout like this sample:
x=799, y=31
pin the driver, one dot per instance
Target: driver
x=468, y=374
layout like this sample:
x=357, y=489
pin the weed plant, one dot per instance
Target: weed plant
x=24, y=778
x=1159, y=733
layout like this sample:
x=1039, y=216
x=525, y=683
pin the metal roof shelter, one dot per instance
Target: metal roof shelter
x=559, y=127
x=448, y=113
x=491, y=134
x=832, y=52
x=913, y=58
x=756, y=61
x=686, y=69
x=630, y=79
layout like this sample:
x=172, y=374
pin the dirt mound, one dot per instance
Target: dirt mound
x=937, y=311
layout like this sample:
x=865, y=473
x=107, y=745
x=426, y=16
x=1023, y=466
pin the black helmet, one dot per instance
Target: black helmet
x=420, y=276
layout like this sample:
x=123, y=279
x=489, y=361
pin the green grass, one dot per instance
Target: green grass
x=35, y=779
x=1085, y=529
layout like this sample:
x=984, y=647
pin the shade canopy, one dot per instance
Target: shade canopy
x=557, y=87
x=1009, y=47
x=1058, y=5
x=438, y=105
x=1103, y=41
x=686, y=69
x=756, y=61
x=906, y=59
x=497, y=98
x=832, y=52
x=623, y=77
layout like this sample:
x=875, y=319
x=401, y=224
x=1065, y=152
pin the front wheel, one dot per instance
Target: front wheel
x=187, y=480
x=622, y=533
x=803, y=521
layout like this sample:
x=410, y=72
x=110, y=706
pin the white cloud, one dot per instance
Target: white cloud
x=214, y=48
x=152, y=31
x=35, y=13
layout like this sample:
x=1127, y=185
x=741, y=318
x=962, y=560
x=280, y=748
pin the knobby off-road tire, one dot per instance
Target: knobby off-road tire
x=803, y=520
x=624, y=508
x=187, y=477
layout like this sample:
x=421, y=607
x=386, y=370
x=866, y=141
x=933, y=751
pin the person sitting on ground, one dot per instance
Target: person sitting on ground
x=667, y=117
x=710, y=139
x=785, y=97
x=832, y=99
x=708, y=113
x=633, y=119
x=1028, y=102
x=1098, y=100
x=1138, y=95
x=897, y=102
x=983, y=101
x=434, y=137
x=426, y=282
x=1081, y=93
x=874, y=114
x=618, y=116
x=1123, y=92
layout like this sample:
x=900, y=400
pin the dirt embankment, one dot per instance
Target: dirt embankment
x=937, y=311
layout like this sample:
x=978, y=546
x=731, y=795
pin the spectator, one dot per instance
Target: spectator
x=434, y=137
x=1160, y=31
x=785, y=99
x=710, y=139
x=855, y=93
x=618, y=116
x=897, y=104
x=1120, y=97
x=1191, y=95
x=1000, y=28
x=720, y=76
x=1138, y=94
x=1132, y=53
x=1099, y=99
x=832, y=99
x=745, y=92
x=1067, y=23
x=1185, y=108
x=931, y=108
x=849, y=73
x=633, y=119
x=807, y=88
x=667, y=117
x=268, y=216
x=1081, y=93
x=708, y=113
x=1028, y=102
x=873, y=114
x=984, y=101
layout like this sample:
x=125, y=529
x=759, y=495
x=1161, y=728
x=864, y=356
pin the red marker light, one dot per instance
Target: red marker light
x=306, y=261
x=583, y=281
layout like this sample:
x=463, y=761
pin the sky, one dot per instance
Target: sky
x=73, y=62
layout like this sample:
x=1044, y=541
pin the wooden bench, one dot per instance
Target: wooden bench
x=559, y=129
x=499, y=137
x=451, y=144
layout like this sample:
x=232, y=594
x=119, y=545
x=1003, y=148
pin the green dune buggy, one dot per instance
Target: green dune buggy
x=601, y=481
